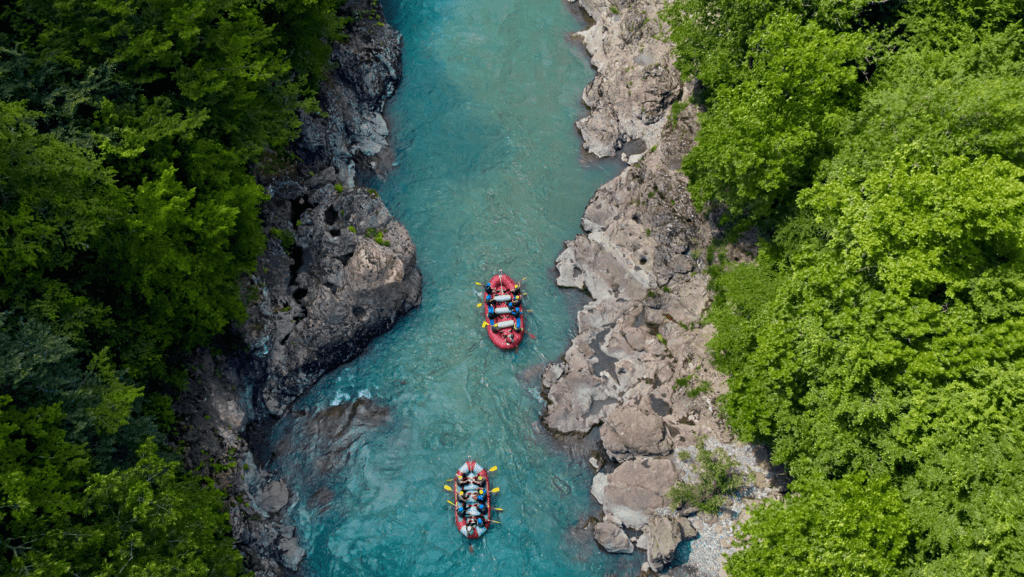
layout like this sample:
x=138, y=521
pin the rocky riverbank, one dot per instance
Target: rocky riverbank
x=639, y=368
x=338, y=271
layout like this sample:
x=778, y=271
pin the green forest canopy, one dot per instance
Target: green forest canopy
x=877, y=344
x=128, y=210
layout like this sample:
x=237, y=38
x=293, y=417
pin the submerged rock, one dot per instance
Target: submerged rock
x=321, y=443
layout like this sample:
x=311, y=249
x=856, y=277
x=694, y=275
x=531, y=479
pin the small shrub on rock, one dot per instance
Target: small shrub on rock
x=719, y=475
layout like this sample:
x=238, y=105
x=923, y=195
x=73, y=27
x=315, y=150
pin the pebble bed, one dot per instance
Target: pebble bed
x=706, y=555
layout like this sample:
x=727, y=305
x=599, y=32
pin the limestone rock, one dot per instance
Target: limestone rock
x=274, y=497
x=635, y=488
x=629, y=431
x=351, y=126
x=291, y=553
x=663, y=536
x=636, y=81
x=612, y=538
x=687, y=529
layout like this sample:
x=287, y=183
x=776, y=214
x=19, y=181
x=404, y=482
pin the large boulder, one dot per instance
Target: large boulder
x=630, y=431
x=633, y=490
x=348, y=278
x=612, y=538
x=663, y=535
x=273, y=497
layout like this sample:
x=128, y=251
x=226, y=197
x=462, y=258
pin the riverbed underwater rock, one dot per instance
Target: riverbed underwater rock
x=338, y=271
x=639, y=367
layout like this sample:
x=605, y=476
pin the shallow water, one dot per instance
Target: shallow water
x=489, y=174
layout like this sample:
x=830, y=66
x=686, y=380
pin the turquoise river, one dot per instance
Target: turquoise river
x=489, y=174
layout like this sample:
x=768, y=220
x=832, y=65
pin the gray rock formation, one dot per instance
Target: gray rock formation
x=639, y=366
x=214, y=405
x=631, y=431
x=662, y=536
x=338, y=271
x=339, y=286
x=612, y=538
x=351, y=129
x=636, y=82
x=634, y=490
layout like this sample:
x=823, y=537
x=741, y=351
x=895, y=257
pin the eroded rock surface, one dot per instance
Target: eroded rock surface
x=635, y=490
x=348, y=278
x=338, y=271
x=636, y=82
x=662, y=536
x=639, y=365
x=211, y=441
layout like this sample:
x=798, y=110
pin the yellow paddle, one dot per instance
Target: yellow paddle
x=496, y=489
x=450, y=503
x=447, y=488
x=493, y=469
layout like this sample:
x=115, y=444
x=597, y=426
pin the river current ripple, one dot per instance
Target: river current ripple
x=489, y=174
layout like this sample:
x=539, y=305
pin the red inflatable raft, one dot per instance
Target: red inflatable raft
x=503, y=312
x=472, y=498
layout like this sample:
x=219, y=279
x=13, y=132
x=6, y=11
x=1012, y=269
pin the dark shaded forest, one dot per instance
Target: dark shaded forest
x=130, y=134
x=877, y=343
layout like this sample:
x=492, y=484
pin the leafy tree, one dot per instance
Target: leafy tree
x=849, y=527
x=768, y=129
x=55, y=200
x=65, y=506
x=153, y=520
x=968, y=102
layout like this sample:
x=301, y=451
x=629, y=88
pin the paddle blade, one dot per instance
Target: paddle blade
x=478, y=305
x=478, y=284
x=498, y=509
x=493, y=469
x=495, y=521
x=483, y=326
x=496, y=489
x=447, y=488
x=450, y=503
